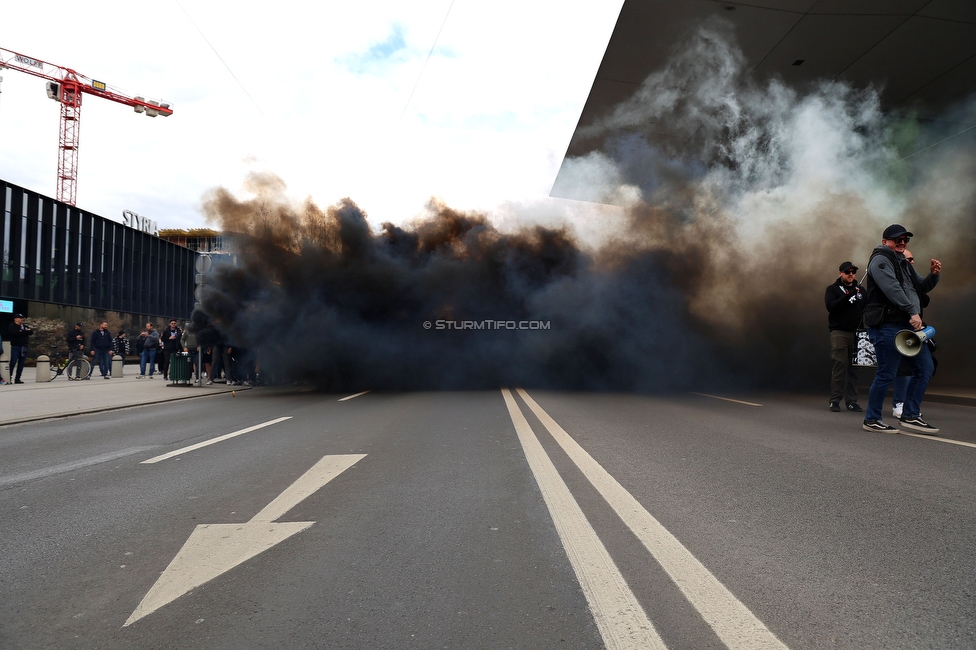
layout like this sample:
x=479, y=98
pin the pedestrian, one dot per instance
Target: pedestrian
x=905, y=369
x=149, y=338
x=101, y=346
x=894, y=290
x=170, y=341
x=121, y=345
x=845, y=305
x=19, y=334
x=75, y=338
x=189, y=344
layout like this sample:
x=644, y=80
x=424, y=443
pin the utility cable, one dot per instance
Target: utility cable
x=436, y=38
x=968, y=128
x=204, y=37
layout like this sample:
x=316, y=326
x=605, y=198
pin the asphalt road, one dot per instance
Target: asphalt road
x=486, y=520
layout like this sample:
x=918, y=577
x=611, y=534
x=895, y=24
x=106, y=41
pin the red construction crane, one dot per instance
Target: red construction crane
x=67, y=86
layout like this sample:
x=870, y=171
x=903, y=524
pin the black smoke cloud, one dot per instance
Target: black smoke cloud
x=735, y=221
x=327, y=300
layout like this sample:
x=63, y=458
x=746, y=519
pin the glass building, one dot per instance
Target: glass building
x=59, y=260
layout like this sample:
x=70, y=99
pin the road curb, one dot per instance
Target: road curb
x=118, y=407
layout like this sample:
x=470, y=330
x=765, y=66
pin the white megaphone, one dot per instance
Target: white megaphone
x=910, y=343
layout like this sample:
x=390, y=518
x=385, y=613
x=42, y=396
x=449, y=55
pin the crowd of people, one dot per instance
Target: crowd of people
x=213, y=357
x=890, y=301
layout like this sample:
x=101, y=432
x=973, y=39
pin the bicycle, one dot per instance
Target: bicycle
x=76, y=369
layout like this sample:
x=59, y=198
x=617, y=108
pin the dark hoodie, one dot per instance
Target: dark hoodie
x=845, y=304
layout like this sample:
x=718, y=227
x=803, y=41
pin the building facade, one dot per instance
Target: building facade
x=59, y=261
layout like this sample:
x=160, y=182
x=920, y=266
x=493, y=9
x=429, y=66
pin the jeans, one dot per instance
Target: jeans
x=889, y=358
x=901, y=388
x=150, y=357
x=18, y=357
x=74, y=355
x=104, y=359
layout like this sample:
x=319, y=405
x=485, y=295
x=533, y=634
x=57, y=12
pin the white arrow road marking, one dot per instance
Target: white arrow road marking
x=207, y=443
x=616, y=610
x=213, y=549
x=732, y=621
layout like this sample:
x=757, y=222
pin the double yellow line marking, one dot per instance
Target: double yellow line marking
x=620, y=618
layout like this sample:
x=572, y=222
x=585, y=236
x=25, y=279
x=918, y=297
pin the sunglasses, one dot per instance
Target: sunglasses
x=850, y=272
x=910, y=259
x=902, y=240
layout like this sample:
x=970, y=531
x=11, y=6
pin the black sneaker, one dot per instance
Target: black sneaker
x=854, y=408
x=918, y=424
x=835, y=407
x=879, y=426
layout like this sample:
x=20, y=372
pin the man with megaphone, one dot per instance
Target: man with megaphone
x=894, y=304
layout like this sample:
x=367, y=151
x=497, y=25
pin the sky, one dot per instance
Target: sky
x=389, y=103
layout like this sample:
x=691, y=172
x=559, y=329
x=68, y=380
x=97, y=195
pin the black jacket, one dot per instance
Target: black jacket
x=101, y=340
x=17, y=334
x=75, y=343
x=171, y=339
x=845, y=305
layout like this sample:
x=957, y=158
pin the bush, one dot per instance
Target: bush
x=47, y=332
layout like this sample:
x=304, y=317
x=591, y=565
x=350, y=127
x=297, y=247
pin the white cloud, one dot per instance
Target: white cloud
x=320, y=98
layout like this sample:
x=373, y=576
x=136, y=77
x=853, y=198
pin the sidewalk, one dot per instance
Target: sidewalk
x=60, y=398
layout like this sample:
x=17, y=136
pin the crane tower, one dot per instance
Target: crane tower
x=67, y=87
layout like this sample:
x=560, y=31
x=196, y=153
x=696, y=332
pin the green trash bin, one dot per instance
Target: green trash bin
x=180, y=368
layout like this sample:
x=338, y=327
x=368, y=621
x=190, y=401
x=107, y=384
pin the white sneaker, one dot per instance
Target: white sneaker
x=897, y=409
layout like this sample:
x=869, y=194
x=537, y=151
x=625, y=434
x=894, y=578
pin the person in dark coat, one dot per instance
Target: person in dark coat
x=18, y=333
x=101, y=345
x=75, y=338
x=845, y=305
x=895, y=296
x=169, y=340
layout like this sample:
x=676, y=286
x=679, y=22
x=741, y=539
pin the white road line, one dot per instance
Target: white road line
x=71, y=466
x=727, y=399
x=732, y=621
x=938, y=439
x=207, y=443
x=618, y=615
x=348, y=397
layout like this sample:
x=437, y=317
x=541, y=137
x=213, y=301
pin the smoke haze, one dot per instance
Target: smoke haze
x=740, y=201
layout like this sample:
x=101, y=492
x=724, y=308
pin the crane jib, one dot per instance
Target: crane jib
x=26, y=60
x=66, y=86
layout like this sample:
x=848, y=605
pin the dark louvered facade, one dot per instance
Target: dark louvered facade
x=58, y=254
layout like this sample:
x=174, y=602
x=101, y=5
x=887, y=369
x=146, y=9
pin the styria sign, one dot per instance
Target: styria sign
x=145, y=224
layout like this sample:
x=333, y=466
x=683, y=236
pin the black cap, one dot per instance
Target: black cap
x=847, y=265
x=78, y=324
x=121, y=332
x=18, y=315
x=896, y=230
